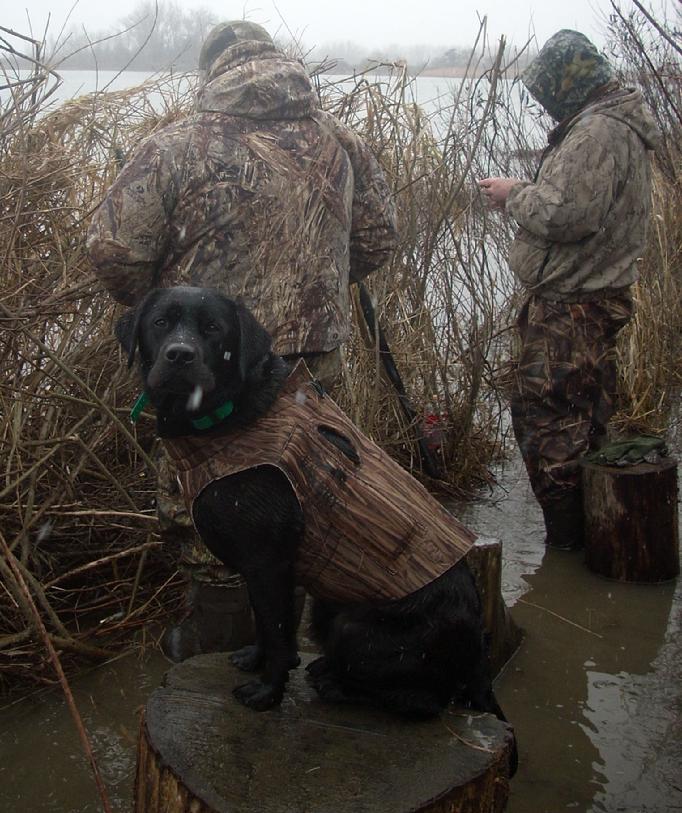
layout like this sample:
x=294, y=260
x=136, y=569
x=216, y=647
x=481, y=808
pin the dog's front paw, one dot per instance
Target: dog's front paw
x=319, y=666
x=325, y=682
x=257, y=695
x=248, y=659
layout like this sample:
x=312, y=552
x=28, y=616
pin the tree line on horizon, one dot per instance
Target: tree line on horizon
x=160, y=36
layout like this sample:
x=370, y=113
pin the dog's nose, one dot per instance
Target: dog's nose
x=180, y=353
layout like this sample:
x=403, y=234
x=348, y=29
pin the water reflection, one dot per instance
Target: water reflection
x=595, y=690
x=42, y=767
x=635, y=720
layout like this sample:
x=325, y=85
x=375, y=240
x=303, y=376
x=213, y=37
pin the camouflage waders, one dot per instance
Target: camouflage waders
x=564, y=387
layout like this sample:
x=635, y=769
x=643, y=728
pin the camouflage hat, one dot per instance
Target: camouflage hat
x=226, y=34
x=565, y=72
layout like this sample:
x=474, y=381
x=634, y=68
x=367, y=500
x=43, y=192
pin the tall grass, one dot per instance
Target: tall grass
x=648, y=54
x=77, y=484
x=446, y=298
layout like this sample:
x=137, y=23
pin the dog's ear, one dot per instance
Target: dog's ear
x=254, y=340
x=127, y=329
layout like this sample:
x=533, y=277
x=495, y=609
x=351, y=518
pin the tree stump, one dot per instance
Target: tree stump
x=200, y=751
x=631, y=520
x=485, y=561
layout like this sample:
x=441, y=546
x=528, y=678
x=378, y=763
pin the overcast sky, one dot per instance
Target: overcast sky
x=370, y=23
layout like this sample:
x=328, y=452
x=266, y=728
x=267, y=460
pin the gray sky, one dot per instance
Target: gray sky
x=366, y=22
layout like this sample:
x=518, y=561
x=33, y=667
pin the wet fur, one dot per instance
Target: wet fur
x=413, y=655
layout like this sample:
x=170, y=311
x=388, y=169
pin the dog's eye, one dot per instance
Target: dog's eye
x=161, y=322
x=211, y=327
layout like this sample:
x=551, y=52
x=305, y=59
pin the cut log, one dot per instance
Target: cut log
x=631, y=521
x=504, y=636
x=200, y=751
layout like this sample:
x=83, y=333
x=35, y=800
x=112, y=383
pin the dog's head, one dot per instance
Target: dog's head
x=196, y=346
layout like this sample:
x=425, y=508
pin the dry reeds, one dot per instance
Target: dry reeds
x=77, y=487
x=648, y=53
x=650, y=347
x=443, y=302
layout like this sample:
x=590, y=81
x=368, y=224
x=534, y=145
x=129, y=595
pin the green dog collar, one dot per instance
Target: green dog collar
x=138, y=406
x=208, y=421
x=215, y=417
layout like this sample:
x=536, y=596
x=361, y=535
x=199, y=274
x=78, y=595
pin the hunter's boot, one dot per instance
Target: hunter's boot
x=218, y=614
x=565, y=522
x=218, y=619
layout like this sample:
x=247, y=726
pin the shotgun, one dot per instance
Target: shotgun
x=428, y=462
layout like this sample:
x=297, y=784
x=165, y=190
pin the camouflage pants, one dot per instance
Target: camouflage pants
x=195, y=558
x=564, y=386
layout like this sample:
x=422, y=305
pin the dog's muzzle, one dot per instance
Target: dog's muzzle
x=179, y=354
x=179, y=368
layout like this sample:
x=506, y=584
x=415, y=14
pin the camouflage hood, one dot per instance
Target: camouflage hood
x=256, y=80
x=565, y=73
x=626, y=106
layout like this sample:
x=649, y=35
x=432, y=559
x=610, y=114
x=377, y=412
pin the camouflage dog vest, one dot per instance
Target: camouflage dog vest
x=371, y=530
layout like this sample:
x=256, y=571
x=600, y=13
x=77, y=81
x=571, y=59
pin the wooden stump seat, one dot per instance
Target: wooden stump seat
x=631, y=520
x=200, y=751
x=485, y=561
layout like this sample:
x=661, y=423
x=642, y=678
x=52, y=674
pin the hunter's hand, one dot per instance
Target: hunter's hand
x=496, y=190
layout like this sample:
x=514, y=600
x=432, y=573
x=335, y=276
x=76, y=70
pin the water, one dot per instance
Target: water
x=595, y=690
x=431, y=92
x=78, y=83
x=42, y=767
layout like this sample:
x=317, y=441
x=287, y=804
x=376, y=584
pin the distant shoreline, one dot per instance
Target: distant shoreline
x=436, y=73
x=459, y=72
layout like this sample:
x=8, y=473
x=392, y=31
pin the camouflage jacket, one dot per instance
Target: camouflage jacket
x=259, y=194
x=371, y=530
x=582, y=222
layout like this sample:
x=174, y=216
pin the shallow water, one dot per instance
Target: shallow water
x=594, y=691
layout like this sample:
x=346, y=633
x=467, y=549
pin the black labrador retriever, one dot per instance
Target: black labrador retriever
x=200, y=351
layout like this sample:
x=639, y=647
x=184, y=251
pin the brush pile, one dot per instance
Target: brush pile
x=77, y=482
x=77, y=494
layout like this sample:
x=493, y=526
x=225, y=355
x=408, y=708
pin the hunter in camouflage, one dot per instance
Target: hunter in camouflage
x=263, y=196
x=258, y=194
x=581, y=231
